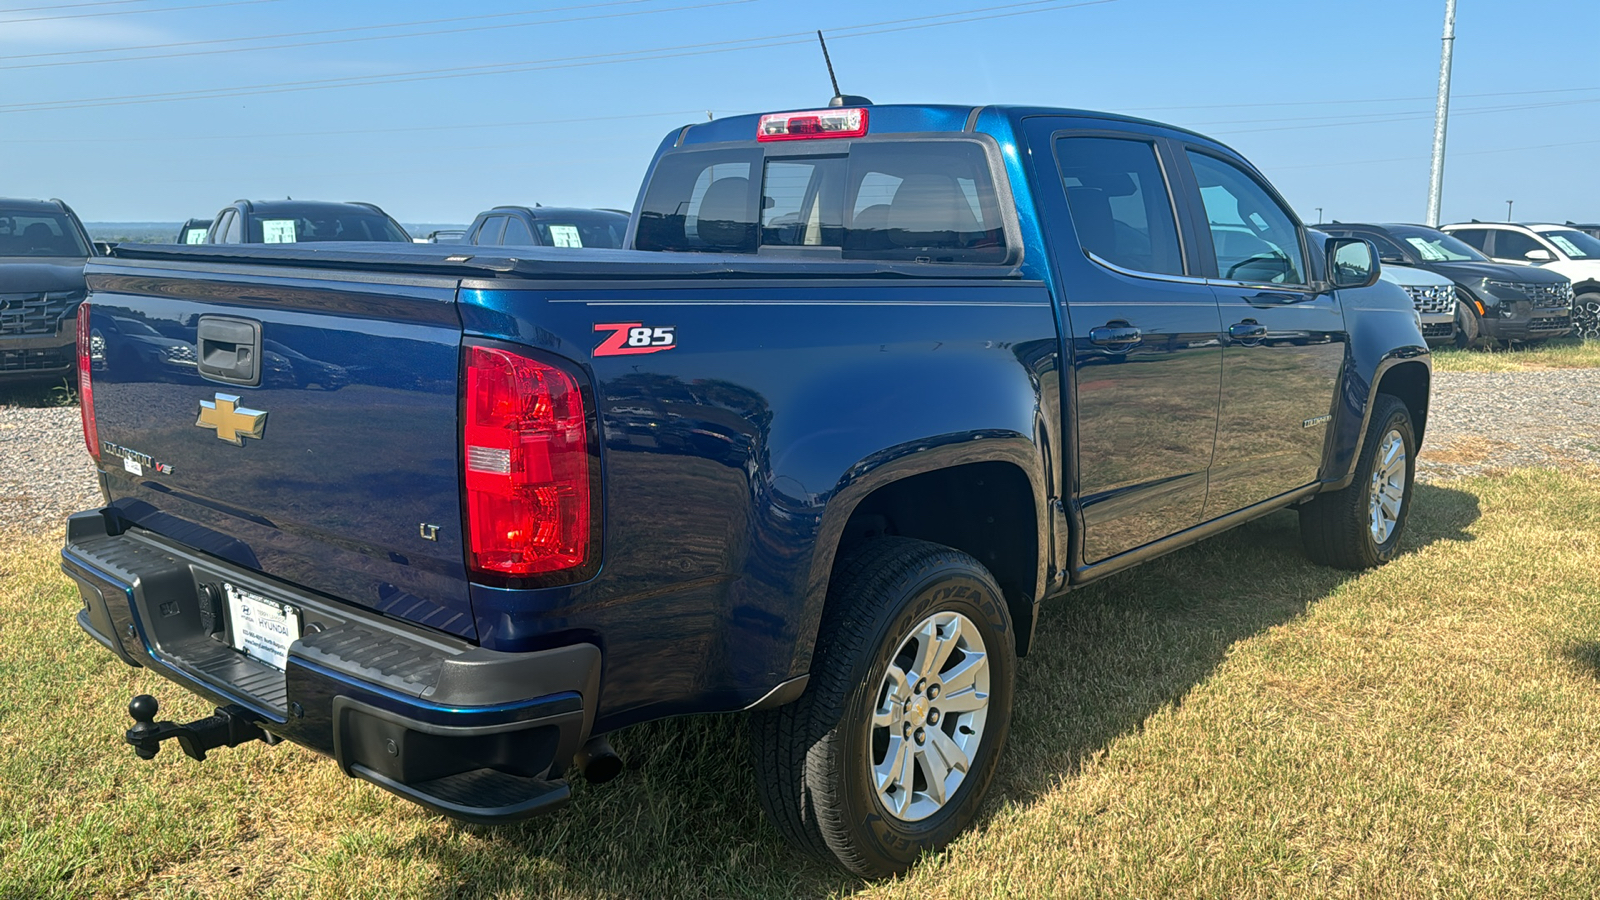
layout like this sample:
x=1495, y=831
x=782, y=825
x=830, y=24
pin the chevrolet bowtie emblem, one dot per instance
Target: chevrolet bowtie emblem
x=232, y=422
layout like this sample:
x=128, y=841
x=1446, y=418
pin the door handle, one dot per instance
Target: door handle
x=1117, y=334
x=1249, y=328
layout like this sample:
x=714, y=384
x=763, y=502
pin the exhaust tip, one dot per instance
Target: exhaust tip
x=598, y=762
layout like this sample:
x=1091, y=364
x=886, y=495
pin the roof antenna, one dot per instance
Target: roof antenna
x=838, y=98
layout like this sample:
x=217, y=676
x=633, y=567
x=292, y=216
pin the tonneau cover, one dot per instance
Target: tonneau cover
x=467, y=261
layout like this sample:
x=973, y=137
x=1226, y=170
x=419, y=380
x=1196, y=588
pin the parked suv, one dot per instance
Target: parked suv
x=302, y=221
x=1570, y=251
x=1498, y=302
x=194, y=231
x=42, y=250
x=1434, y=297
x=548, y=226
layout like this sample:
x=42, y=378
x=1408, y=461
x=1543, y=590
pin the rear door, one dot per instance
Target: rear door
x=320, y=449
x=1146, y=356
x=1284, y=337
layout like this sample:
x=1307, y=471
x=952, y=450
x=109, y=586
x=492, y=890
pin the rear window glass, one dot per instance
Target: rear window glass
x=929, y=201
x=316, y=225
x=603, y=231
x=38, y=233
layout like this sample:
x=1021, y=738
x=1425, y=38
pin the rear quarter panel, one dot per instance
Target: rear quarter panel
x=731, y=461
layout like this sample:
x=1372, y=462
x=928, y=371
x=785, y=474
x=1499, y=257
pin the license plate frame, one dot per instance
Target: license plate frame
x=260, y=627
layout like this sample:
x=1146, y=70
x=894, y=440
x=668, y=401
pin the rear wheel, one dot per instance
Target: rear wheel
x=891, y=749
x=1360, y=526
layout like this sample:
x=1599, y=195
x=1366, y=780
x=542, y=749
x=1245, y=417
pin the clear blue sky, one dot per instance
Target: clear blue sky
x=1333, y=101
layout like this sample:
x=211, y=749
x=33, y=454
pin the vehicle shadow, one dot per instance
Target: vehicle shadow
x=683, y=820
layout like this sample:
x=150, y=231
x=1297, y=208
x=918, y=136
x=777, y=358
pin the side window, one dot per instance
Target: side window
x=1477, y=237
x=489, y=232
x=1120, y=206
x=235, y=227
x=1253, y=237
x=1513, y=245
x=517, y=234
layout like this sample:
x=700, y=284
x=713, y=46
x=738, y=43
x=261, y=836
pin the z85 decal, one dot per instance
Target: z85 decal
x=630, y=338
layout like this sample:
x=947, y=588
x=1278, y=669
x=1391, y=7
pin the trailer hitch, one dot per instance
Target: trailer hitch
x=227, y=727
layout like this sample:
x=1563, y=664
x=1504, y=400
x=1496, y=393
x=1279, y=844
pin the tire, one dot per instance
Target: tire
x=1343, y=528
x=1467, y=327
x=815, y=758
x=1586, y=315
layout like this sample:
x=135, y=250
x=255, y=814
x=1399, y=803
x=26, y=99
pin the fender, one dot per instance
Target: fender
x=1357, y=396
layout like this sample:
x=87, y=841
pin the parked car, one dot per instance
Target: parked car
x=817, y=455
x=194, y=231
x=441, y=236
x=302, y=221
x=1434, y=297
x=548, y=226
x=1591, y=229
x=1558, y=248
x=1497, y=302
x=43, y=247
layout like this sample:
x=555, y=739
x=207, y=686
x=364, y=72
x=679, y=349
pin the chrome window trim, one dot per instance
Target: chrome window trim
x=1134, y=273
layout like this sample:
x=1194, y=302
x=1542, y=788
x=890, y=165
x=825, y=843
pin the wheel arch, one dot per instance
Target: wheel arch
x=982, y=494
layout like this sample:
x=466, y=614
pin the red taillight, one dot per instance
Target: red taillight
x=91, y=434
x=525, y=450
x=813, y=123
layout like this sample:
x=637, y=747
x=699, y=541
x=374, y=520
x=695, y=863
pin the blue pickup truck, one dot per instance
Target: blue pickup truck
x=868, y=385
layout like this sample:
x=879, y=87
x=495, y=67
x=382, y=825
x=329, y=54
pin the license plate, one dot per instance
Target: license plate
x=262, y=629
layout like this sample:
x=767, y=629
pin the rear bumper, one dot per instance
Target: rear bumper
x=468, y=732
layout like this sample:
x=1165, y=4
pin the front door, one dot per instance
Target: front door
x=1144, y=336
x=1284, y=340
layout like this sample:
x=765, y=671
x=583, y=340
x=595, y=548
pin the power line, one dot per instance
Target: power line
x=359, y=131
x=326, y=31
x=127, y=12
x=756, y=43
x=70, y=6
x=388, y=37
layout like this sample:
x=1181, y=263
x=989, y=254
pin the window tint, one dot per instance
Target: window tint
x=912, y=200
x=1512, y=244
x=933, y=201
x=234, y=228
x=700, y=201
x=800, y=202
x=1477, y=237
x=489, y=232
x=517, y=234
x=38, y=233
x=1120, y=206
x=1253, y=237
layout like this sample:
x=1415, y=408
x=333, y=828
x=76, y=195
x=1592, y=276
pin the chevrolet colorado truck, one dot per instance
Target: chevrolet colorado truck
x=866, y=387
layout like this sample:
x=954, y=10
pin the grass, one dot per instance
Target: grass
x=1561, y=353
x=1229, y=721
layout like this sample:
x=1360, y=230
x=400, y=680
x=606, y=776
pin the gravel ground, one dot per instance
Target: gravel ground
x=45, y=474
x=1480, y=423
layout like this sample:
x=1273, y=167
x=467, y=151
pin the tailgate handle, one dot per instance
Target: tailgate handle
x=229, y=350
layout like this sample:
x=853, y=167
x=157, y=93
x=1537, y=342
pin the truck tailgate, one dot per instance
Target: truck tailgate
x=337, y=471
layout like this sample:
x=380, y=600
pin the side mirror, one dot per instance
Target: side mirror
x=1392, y=260
x=1352, y=262
x=1539, y=255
